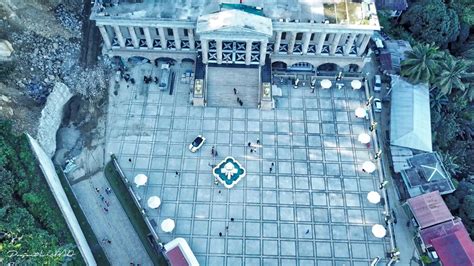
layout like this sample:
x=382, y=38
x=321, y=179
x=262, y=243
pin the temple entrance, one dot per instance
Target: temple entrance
x=223, y=80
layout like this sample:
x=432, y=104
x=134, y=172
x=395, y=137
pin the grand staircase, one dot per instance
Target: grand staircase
x=222, y=81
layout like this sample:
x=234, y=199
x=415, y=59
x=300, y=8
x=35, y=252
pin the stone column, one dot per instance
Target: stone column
x=161, y=32
x=359, y=39
x=204, y=50
x=191, y=39
x=177, y=39
x=363, y=45
x=291, y=44
x=263, y=51
x=335, y=43
x=347, y=47
x=219, y=51
x=149, y=41
x=276, y=47
x=119, y=35
x=133, y=35
x=306, y=40
x=105, y=37
x=248, y=52
x=321, y=39
x=331, y=37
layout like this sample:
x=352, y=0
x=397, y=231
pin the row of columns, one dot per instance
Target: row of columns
x=248, y=51
x=360, y=40
x=146, y=31
x=335, y=38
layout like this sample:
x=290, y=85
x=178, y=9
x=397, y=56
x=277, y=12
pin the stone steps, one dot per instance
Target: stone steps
x=221, y=84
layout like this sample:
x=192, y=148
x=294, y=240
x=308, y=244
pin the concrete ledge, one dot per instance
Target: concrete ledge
x=52, y=178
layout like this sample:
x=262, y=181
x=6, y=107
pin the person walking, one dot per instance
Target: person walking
x=235, y=91
x=213, y=151
x=258, y=141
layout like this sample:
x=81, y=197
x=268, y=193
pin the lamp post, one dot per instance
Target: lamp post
x=378, y=155
x=373, y=126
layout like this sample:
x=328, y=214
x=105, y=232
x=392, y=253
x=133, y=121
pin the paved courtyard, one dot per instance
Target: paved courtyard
x=310, y=210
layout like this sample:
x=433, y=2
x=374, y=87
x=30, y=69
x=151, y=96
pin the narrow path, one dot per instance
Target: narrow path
x=90, y=47
x=114, y=225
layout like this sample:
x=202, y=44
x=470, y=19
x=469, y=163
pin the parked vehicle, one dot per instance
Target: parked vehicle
x=197, y=143
x=377, y=83
x=165, y=76
x=377, y=105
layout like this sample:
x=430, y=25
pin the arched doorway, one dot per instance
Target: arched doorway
x=279, y=65
x=134, y=60
x=165, y=60
x=353, y=68
x=302, y=66
x=328, y=67
x=187, y=60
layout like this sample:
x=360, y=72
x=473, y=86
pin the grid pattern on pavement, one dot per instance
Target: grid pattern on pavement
x=311, y=209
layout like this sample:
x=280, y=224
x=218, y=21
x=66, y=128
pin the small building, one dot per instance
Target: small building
x=441, y=236
x=410, y=124
x=392, y=56
x=178, y=253
x=455, y=249
x=395, y=7
x=429, y=209
x=427, y=174
x=410, y=116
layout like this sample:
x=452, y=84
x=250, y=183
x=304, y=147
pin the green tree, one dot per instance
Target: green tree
x=422, y=63
x=450, y=163
x=432, y=21
x=450, y=76
x=465, y=10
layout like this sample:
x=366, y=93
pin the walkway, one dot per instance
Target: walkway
x=312, y=206
x=114, y=225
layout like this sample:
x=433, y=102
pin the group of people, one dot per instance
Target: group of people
x=238, y=99
x=252, y=147
x=127, y=78
x=214, y=152
x=226, y=227
x=149, y=79
x=106, y=203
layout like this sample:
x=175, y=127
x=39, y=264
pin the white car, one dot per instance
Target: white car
x=377, y=83
x=377, y=105
x=197, y=143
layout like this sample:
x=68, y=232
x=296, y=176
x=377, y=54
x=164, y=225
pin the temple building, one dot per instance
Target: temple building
x=301, y=35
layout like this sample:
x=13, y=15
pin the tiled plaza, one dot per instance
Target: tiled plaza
x=310, y=210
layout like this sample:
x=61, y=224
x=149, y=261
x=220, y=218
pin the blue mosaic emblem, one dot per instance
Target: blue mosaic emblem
x=229, y=172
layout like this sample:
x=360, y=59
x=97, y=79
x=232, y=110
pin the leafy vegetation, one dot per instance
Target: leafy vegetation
x=461, y=203
x=443, y=57
x=30, y=221
x=432, y=21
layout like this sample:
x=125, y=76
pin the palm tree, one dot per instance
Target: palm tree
x=451, y=74
x=437, y=100
x=422, y=63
